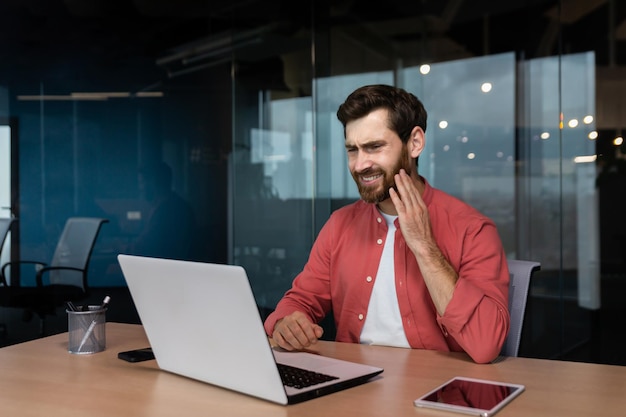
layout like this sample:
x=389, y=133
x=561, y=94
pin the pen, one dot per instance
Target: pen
x=105, y=302
x=89, y=331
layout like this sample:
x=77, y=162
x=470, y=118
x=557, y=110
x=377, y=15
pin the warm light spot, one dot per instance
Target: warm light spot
x=585, y=159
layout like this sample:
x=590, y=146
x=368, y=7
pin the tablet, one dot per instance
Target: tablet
x=472, y=396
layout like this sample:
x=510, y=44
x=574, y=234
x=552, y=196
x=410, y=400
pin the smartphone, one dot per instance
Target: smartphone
x=136, y=355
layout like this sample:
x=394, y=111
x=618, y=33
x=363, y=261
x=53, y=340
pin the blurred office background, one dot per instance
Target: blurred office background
x=526, y=102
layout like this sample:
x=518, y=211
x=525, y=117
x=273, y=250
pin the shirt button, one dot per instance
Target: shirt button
x=379, y=220
x=379, y=241
x=368, y=279
x=360, y=316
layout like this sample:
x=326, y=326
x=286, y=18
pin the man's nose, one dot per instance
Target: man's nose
x=362, y=161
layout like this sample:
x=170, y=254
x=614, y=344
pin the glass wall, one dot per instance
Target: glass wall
x=238, y=99
x=512, y=132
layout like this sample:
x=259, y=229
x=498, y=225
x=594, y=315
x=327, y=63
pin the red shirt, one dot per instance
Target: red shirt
x=341, y=270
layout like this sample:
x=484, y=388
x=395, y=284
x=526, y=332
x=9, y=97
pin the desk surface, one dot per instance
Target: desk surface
x=41, y=378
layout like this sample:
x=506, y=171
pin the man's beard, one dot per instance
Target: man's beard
x=376, y=194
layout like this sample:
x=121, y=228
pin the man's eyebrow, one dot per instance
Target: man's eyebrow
x=374, y=142
x=368, y=144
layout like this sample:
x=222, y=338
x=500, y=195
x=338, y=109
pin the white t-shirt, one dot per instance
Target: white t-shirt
x=383, y=324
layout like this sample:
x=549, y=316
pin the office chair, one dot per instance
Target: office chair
x=520, y=272
x=63, y=279
x=5, y=227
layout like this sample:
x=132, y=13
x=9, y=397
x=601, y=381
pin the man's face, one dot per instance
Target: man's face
x=375, y=155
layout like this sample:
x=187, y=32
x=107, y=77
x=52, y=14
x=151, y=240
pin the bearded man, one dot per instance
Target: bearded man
x=407, y=265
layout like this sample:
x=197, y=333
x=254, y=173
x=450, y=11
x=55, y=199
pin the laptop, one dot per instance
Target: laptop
x=202, y=322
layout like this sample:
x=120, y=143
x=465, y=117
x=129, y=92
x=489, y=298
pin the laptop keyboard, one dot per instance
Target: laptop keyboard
x=301, y=378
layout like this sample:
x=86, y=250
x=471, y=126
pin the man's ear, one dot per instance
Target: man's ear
x=416, y=142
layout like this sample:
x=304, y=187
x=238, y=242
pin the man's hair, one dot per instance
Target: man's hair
x=405, y=110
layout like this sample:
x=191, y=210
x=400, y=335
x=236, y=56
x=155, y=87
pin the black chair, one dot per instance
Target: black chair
x=63, y=279
x=5, y=227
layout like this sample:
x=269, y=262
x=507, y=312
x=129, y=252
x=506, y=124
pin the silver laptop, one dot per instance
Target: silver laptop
x=202, y=322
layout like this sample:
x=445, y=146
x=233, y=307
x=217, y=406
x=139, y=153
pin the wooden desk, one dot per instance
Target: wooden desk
x=41, y=378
